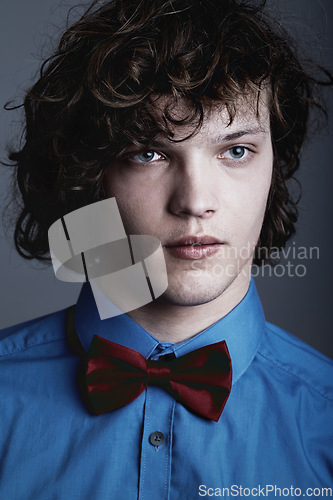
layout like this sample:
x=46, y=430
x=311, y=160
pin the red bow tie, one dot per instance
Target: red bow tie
x=200, y=380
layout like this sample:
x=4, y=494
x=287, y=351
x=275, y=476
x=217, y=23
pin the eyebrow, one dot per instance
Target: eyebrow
x=238, y=134
x=219, y=139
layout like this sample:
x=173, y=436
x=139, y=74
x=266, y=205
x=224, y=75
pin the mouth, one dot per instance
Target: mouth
x=194, y=247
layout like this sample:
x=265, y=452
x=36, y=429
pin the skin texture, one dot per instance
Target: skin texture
x=214, y=184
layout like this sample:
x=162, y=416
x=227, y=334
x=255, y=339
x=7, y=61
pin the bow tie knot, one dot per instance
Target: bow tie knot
x=158, y=372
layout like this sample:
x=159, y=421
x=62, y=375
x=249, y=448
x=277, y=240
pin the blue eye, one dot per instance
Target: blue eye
x=146, y=156
x=237, y=152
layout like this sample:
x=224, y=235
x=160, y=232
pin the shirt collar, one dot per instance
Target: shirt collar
x=242, y=329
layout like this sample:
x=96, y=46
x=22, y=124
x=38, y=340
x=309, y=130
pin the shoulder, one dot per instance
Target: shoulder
x=33, y=333
x=299, y=362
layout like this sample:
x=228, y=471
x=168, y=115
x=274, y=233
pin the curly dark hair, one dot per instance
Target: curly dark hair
x=96, y=95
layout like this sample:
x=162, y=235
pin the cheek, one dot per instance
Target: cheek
x=255, y=211
x=248, y=199
x=139, y=208
x=249, y=204
x=141, y=198
x=135, y=190
x=259, y=185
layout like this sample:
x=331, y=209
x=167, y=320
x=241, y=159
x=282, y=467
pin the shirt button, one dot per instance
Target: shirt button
x=156, y=438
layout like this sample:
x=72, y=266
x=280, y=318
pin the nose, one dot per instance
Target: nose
x=195, y=190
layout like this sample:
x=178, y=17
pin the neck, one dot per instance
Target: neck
x=174, y=323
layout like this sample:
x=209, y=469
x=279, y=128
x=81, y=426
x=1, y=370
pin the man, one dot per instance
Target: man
x=191, y=115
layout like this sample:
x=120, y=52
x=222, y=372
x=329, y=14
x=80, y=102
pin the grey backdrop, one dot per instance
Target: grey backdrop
x=302, y=305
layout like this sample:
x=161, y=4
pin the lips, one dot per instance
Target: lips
x=194, y=247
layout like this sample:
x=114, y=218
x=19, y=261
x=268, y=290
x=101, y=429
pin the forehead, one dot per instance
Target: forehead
x=249, y=112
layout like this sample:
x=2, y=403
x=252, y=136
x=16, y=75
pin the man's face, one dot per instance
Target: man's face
x=204, y=198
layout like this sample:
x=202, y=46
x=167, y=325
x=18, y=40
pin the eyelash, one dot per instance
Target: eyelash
x=146, y=152
x=245, y=149
x=133, y=157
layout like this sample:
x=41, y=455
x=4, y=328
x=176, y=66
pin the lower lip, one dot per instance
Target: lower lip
x=194, y=252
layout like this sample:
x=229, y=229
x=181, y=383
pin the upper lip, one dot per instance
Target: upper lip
x=194, y=240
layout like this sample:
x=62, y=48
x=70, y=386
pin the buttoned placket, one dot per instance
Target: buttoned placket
x=156, y=445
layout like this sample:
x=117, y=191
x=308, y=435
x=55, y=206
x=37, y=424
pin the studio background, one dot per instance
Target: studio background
x=300, y=304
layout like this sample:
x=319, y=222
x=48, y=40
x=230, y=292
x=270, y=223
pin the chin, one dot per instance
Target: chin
x=193, y=292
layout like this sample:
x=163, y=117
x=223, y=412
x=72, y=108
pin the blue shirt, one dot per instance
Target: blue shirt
x=275, y=431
